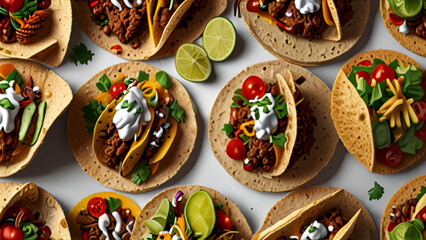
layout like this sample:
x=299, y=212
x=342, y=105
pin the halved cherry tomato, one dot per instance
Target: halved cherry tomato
x=395, y=19
x=12, y=5
x=248, y=165
x=285, y=28
x=97, y=207
x=223, y=221
x=365, y=75
x=420, y=110
x=8, y=231
x=116, y=89
x=253, y=6
x=391, y=226
x=383, y=72
x=236, y=149
x=253, y=87
x=391, y=156
x=421, y=133
x=365, y=63
x=422, y=215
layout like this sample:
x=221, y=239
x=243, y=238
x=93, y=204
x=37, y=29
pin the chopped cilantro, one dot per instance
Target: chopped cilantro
x=228, y=129
x=238, y=96
x=81, y=54
x=280, y=107
x=129, y=81
x=376, y=192
x=113, y=204
x=92, y=111
x=420, y=195
x=163, y=79
x=104, y=83
x=312, y=229
x=138, y=111
x=279, y=139
x=15, y=76
x=245, y=138
x=28, y=9
x=177, y=112
x=6, y=104
x=143, y=76
x=128, y=105
x=141, y=172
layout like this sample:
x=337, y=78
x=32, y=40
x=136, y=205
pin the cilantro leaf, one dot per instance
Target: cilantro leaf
x=103, y=84
x=228, y=129
x=163, y=79
x=81, y=54
x=245, y=138
x=28, y=9
x=6, y=104
x=141, y=172
x=376, y=192
x=15, y=76
x=238, y=96
x=177, y=112
x=143, y=76
x=420, y=195
x=280, y=107
x=113, y=204
x=279, y=139
x=409, y=142
x=92, y=111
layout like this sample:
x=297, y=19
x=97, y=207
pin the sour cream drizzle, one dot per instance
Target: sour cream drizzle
x=319, y=233
x=128, y=122
x=127, y=3
x=404, y=29
x=103, y=223
x=308, y=6
x=267, y=122
x=7, y=116
x=118, y=225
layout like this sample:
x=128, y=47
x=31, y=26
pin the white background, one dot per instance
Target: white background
x=55, y=169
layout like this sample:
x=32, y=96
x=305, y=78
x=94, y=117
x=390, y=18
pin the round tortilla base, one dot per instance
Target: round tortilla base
x=351, y=116
x=406, y=192
x=81, y=142
x=364, y=228
x=299, y=50
x=240, y=223
x=410, y=41
x=176, y=36
x=48, y=81
x=308, y=166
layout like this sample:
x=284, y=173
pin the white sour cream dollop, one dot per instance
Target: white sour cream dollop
x=267, y=122
x=7, y=116
x=320, y=232
x=404, y=29
x=128, y=122
x=308, y=6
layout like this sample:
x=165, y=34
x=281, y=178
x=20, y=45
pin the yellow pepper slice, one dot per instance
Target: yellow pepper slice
x=148, y=88
x=120, y=78
x=244, y=126
x=104, y=98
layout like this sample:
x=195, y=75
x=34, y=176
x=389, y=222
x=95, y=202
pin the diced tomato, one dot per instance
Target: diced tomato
x=395, y=19
x=391, y=156
x=365, y=75
x=422, y=215
x=236, y=149
x=391, y=226
x=383, y=72
x=421, y=133
x=285, y=28
x=420, y=110
x=365, y=63
x=253, y=6
x=253, y=87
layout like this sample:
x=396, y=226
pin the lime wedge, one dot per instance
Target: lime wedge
x=199, y=214
x=406, y=9
x=219, y=39
x=192, y=63
x=157, y=223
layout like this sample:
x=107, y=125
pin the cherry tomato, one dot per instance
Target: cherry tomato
x=236, y=149
x=223, y=221
x=391, y=156
x=44, y=233
x=116, y=89
x=365, y=75
x=10, y=232
x=253, y=6
x=253, y=87
x=391, y=226
x=12, y=5
x=395, y=19
x=421, y=133
x=383, y=72
x=85, y=235
x=97, y=207
x=365, y=63
x=422, y=215
x=285, y=28
x=248, y=165
x=420, y=110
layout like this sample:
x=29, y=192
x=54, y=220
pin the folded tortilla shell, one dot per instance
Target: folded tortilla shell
x=240, y=223
x=295, y=203
x=81, y=142
x=352, y=119
x=37, y=200
x=59, y=99
x=404, y=193
x=301, y=51
x=333, y=33
x=318, y=94
x=50, y=43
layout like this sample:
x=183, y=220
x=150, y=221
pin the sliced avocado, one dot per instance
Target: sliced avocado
x=27, y=116
x=40, y=120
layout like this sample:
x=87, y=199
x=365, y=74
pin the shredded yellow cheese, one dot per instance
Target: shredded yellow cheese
x=299, y=102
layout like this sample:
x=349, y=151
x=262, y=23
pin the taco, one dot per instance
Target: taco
x=404, y=217
x=29, y=212
x=37, y=29
x=140, y=127
x=278, y=123
x=378, y=109
x=308, y=32
x=191, y=212
x=31, y=98
x=406, y=21
x=144, y=28
x=104, y=215
x=318, y=213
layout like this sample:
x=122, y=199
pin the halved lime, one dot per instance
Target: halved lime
x=192, y=63
x=219, y=39
x=158, y=222
x=406, y=9
x=199, y=214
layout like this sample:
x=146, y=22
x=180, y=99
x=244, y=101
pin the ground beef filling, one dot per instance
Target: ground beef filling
x=9, y=142
x=419, y=25
x=403, y=212
x=115, y=148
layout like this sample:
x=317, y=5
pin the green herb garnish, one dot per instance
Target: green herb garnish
x=143, y=76
x=376, y=192
x=28, y=9
x=280, y=107
x=141, y=172
x=128, y=105
x=245, y=138
x=92, y=111
x=6, y=104
x=80, y=54
x=163, y=79
x=422, y=193
x=408, y=142
x=177, y=112
x=104, y=83
x=228, y=129
x=15, y=76
x=312, y=229
x=238, y=96
x=278, y=139
x=113, y=204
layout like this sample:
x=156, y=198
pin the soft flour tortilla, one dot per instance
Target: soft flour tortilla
x=301, y=51
x=406, y=192
x=81, y=142
x=333, y=33
x=294, y=202
x=60, y=98
x=82, y=205
x=308, y=166
x=410, y=41
x=240, y=223
x=172, y=37
x=50, y=43
x=37, y=200
x=352, y=119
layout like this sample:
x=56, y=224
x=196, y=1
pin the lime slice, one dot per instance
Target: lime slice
x=199, y=214
x=406, y=8
x=158, y=222
x=219, y=39
x=192, y=63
